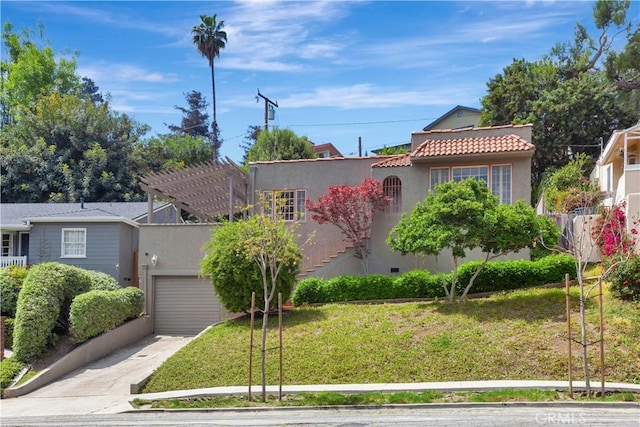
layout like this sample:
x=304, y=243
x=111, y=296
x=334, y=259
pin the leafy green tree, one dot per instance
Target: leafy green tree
x=566, y=96
x=250, y=138
x=210, y=38
x=29, y=71
x=280, y=144
x=463, y=216
x=171, y=151
x=234, y=272
x=195, y=120
x=65, y=147
x=255, y=255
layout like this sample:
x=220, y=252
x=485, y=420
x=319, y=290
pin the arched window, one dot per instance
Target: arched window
x=392, y=188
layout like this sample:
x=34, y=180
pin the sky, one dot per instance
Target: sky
x=338, y=70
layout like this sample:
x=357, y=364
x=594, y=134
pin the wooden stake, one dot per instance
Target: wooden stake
x=253, y=310
x=568, y=308
x=602, y=369
x=280, y=333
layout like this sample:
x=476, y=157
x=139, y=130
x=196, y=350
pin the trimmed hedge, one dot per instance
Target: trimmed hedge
x=495, y=276
x=419, y=284
x=102, y=281
x=507, y=275
x=43, y=304
x=11, y=278
x=98, y=311
x=8, y=332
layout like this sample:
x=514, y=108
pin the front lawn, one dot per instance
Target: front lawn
x=519, y=335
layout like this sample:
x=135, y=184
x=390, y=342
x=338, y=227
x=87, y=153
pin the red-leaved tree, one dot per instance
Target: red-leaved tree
x=351, y=209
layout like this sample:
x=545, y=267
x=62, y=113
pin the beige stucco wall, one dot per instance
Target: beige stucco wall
x=316, y=176
x=178, y=248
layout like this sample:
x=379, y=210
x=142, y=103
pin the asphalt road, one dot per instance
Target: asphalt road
x=409, y=416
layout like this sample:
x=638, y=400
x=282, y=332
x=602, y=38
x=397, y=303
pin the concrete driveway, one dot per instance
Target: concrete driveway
x=101, y=387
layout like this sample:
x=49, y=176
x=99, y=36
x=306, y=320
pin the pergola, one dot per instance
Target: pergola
x=208, y=191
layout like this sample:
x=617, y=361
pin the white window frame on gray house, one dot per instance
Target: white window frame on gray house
x=438, y=176
x=480, y=173
x=498, y=177
x=293, y=207
x=76, y=247
x=501, y=180
x=7, y=244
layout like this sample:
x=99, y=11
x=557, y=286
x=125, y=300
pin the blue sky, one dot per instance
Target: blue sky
x=339, y=70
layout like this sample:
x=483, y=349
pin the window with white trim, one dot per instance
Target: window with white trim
x=74, y=243
x=480, y=173
x=438, y=176
x=501, y=182
x=290, y=204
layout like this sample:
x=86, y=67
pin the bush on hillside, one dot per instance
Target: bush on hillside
x=419, y=284
x=9, y=369
x=507, y=275
x=235, y=274
x=43, y=306
x=625, y=279
x=95, y=312
x=495, y=276
x=11, y=278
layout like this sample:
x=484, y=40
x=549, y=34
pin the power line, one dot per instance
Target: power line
x=359, y=123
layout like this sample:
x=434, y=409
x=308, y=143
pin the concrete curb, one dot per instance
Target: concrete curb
x=462, y=405
x=455, y=386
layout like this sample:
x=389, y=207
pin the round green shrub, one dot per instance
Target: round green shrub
x=235, y=274
x=11, y=278
x=625, y=279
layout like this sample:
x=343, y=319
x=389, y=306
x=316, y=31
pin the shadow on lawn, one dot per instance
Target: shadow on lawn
x=531, y=306
x=290, y=318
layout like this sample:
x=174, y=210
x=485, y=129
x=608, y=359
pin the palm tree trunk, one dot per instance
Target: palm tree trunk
x=213, y=87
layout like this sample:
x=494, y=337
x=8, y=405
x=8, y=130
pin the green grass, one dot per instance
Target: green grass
x=374, y=398
x=518, y=335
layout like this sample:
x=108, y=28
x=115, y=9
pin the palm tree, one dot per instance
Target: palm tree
x=210, y=39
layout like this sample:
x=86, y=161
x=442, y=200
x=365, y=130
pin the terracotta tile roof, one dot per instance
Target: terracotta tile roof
x=461, y=146
x=393, y=161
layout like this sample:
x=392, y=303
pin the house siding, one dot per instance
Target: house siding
x=102, y=250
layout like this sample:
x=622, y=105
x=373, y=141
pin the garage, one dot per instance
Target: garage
x=184, y=305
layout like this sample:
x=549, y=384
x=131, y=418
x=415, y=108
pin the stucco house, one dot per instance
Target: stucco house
x=180, y=301
x=95, y=236
x=617, y=171
x=500, y=155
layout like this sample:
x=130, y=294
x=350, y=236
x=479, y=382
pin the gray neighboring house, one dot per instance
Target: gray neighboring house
x=94, y=236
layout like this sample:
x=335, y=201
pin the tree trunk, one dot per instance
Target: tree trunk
x=473, y=278
x=454, y=279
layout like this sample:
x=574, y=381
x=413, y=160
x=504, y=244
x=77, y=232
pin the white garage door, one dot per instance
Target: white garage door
x=184, y=305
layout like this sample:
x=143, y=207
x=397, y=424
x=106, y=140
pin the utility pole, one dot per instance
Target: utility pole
x=268, y=107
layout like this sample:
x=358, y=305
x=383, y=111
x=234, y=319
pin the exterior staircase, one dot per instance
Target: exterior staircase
x=318, y=255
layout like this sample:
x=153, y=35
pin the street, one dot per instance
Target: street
x=437, y=415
